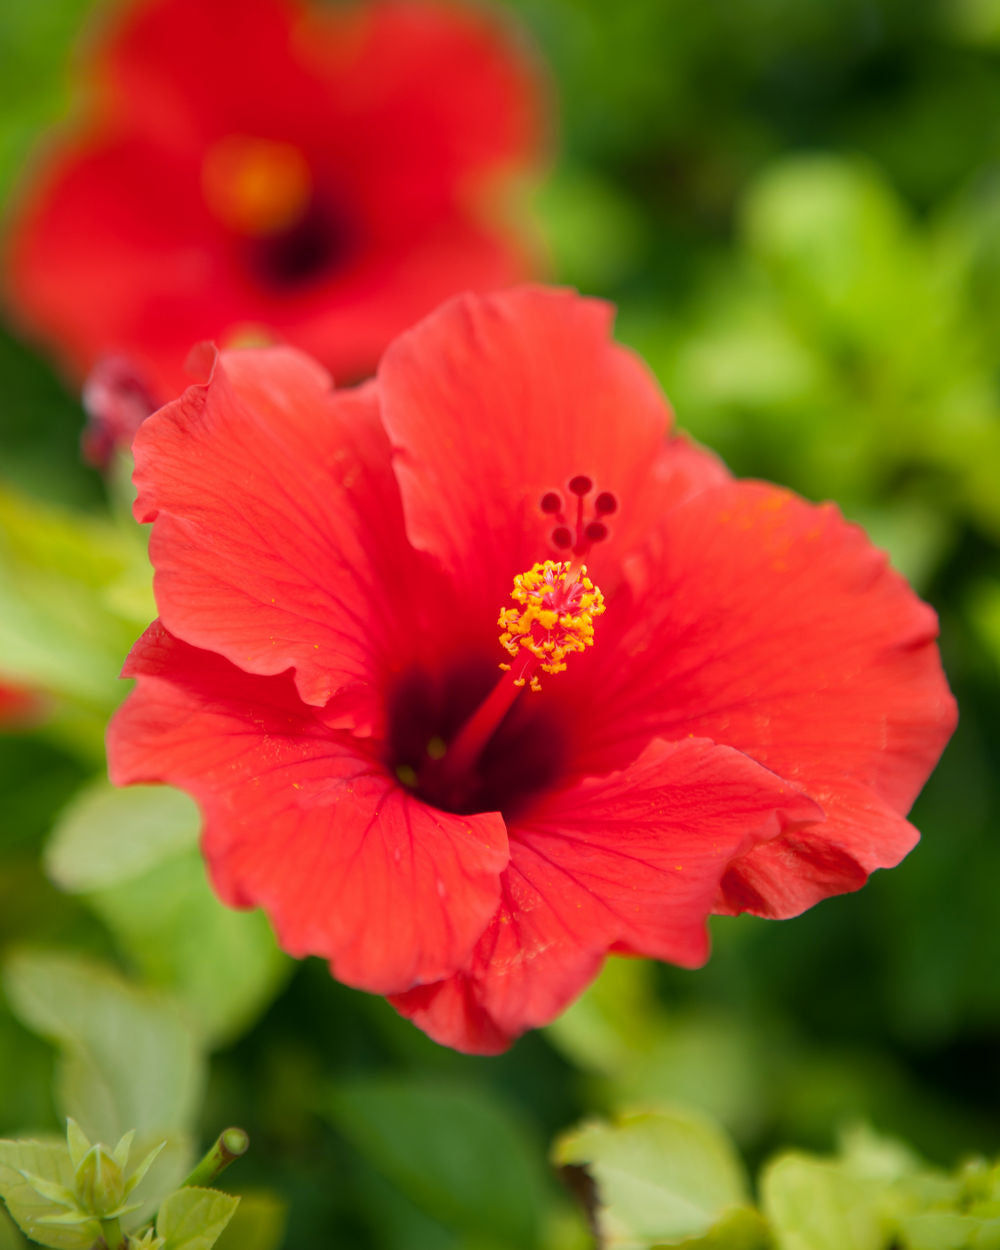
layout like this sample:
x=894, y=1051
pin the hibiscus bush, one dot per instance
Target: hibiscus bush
x=322, y=766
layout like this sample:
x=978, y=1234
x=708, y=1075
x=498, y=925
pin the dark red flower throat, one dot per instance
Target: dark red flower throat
x=469, y=742
x=524, y=755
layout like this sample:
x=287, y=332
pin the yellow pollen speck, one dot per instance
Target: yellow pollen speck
x=557, y=604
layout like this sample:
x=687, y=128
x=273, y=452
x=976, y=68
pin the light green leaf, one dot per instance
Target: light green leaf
x=741, y=1228
x=194, y=1219
x=938, y=1230
x=133, y=855
x=108, y=835
x=77, y=1141
x=136, y=1178
x=257, y=1224
x=455, y=1153
x=128, y=1058
x=51, y=1161
x=660, y=1176
x=814, y=1204
x=122, y=1151
x=56, y=633
x=51, y=1190
x=223, y=965
x=838, y=238
x=868, y=1155
x=10, y=1238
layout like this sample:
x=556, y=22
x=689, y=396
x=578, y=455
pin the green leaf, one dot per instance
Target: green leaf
x=107, y=836
x=36, y=40
x=56, y=632
x=51, y=1161
x=837, y=237
x=128, y=1058
x=133, y=855
x=938, y=1230
x=257, y=1224
x=814, y=1204
x=457, y=1154
x=659, y=1176
x=144, y=1061
x=77, y=1142
x=866, y=1154
x=10, y=1238
x=223, y=964
x=741, y=1228
x=194, y=1219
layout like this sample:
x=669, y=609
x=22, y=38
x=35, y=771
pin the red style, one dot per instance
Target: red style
x=737, y=701
x=260, y=169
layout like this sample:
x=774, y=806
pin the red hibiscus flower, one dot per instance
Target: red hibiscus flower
x=478, y=672
x=261, y=166
x=19, y=708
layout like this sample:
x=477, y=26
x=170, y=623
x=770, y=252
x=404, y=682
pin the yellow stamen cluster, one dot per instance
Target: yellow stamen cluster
x=557, y=605
x=256, y=187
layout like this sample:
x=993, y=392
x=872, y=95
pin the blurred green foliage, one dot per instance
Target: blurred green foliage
x=796, y=207
x=669, y=1177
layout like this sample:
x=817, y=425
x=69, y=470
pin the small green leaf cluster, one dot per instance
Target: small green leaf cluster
x=671, y=1177
x=75, y=1195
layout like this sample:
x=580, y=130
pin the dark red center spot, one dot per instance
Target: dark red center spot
x=525, y=755
x=320, y=242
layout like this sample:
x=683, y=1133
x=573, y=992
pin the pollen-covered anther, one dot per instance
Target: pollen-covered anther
x=557, y=603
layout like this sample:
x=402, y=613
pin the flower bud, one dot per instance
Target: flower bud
x=100, y=1183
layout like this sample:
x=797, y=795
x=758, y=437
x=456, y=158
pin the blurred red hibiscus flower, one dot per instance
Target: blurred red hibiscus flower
x=737, y=699
x=19, y=708
x=262, y=168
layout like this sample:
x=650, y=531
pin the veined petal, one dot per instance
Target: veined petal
x=493, y=403
x=277, y=534
x=803, y=866
x=302, y=821
x=770, y=624
x=632, y=859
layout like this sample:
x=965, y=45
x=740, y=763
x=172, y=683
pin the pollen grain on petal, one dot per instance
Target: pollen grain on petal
x=556, y=606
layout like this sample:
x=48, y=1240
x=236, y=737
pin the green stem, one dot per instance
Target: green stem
x=232, y=1144
x=112, y=1235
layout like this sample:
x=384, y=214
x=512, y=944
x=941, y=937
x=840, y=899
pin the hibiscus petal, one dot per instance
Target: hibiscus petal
x=632, y=859
x=495, y=401
x=427, y=93
x=799, y=868
x=389, y=287
x=190, y=70
x=95, y=231
x=774, y=626
x=437, y=98
x=301, y=822
x=277, y=534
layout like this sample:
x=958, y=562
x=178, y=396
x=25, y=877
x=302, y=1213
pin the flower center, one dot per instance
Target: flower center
x=263, y=192
x=256, y=187
x=557, y=604
x=553, y=617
